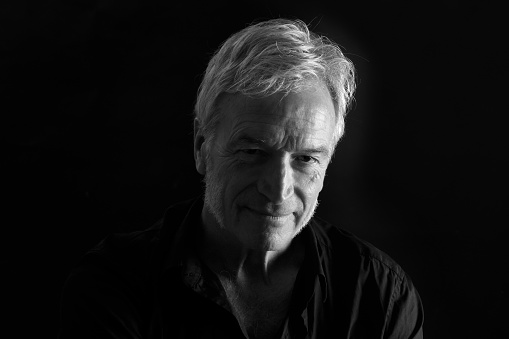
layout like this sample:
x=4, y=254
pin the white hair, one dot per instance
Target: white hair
x=275, y=56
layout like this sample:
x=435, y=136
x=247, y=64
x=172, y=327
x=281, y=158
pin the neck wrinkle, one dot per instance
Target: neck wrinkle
x=227, y=259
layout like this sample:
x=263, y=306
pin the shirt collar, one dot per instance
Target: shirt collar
x=318, y=256
x=311, y=277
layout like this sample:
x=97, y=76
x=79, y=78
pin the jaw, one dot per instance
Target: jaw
x=260, y=232
x=254, y=248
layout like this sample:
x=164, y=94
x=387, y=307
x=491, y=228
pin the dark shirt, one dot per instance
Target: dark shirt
x=150, y=284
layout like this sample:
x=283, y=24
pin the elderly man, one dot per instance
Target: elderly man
x=249, y=260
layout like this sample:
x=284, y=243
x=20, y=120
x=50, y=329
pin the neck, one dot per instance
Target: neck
x=232, y=260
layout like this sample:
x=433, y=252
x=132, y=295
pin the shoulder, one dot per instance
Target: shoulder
x=119, y=264
x=133, y=254
x=111, y=287
x=365, y=287
x=367, y=284
x=342, y=249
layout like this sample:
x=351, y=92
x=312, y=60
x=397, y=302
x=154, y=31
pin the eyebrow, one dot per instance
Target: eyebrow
x=249, y=140
x=255, y=141
x=321, y=149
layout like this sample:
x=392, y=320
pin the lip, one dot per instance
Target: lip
x=266, y=214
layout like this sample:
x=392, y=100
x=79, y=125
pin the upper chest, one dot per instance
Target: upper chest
x=259, y=310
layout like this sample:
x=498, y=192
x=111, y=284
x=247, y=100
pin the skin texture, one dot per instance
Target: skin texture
x=265, y=168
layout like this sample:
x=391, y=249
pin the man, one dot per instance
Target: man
x=249, y=260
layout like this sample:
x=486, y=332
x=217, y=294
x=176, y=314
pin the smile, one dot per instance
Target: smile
x=268, y=215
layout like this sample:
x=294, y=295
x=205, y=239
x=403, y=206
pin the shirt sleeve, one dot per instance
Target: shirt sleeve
x=405, y=316
x=97, y=303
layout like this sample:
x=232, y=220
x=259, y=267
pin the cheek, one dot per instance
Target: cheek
x=309, y=188
x=315, y=182
x=235, y=181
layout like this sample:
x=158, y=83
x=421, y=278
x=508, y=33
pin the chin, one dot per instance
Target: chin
x=271, y=244
x=276, y=239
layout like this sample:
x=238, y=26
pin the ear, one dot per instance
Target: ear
x=199, y=148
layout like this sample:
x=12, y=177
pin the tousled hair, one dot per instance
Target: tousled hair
x=270, y=57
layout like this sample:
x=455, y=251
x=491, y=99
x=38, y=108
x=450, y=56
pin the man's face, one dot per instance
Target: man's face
x=266, y=165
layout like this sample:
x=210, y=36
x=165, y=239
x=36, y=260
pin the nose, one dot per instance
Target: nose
x=276, y=182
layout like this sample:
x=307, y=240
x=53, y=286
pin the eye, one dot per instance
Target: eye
x=250, y=155
x=306, y=159
x=251, y=151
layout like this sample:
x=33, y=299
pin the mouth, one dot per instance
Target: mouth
x=270, y=215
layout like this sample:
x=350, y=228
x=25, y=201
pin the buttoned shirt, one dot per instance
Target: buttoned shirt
x=152, y=284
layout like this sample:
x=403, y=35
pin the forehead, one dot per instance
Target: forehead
x=304, y=117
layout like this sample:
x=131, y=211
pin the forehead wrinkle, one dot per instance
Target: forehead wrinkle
x=279, y=109
x=282, y=129
x=277, y=122
x=250, y=129
x=285, y=121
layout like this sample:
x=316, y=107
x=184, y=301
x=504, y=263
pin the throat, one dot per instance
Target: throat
x=258, y=286
x=260, y=310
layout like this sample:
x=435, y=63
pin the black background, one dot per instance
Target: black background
x=96, y=125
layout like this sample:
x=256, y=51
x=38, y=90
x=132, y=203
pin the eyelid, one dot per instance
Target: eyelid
x=250, y=152
x=250, y=149
x=314, y=159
